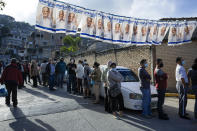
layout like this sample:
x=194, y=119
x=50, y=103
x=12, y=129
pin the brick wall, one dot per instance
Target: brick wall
x=131, y=56
x=169, y=54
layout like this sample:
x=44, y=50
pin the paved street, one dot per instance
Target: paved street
x=42, y=110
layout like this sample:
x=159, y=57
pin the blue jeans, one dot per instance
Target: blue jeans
x=60, y=78
x=51, y=81
x=194, y=88
x=146, y=101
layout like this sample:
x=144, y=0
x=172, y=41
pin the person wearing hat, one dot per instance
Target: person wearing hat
x=96, y=77
x=11, y=77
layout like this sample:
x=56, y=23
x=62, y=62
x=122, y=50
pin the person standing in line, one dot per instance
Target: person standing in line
x=26, y=70
x=161, y=85
x=105, y=81
x=145, y=78
x=43, y=72
x=192, y=76
x=72, y=76
x=80, y=73
x=114, y=80
x=50, y=70
x=21, y=69
x=34, y=73
x=87, y=81
x=96, y=77
x=11, y=77
x=60, y=71
x=182, y=87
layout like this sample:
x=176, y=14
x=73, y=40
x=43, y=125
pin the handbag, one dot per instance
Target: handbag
x=114, y=90
x=3, y=91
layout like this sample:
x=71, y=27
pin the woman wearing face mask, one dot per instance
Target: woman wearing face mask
x=161, y=85
x=145, y=78
x=114, y=80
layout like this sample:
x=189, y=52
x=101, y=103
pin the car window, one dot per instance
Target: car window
x=129, y=76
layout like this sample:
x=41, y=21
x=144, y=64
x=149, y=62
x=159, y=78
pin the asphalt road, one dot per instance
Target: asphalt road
x=42, y=110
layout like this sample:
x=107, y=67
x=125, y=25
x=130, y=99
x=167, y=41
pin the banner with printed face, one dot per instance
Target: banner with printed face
x=60, y=17
x=73, y=19
x=107, y=19
x=117, y=32
x=140, y=31
x=173, y=34
x=44, y=16
x=99, y=25
x=163, y=28
x=152, y=32
x=188, y=30
x=88, y=24
x=127, y=30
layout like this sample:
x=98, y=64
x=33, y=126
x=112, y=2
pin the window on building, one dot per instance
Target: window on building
x=61, y=37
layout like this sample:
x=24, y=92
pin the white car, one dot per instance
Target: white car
x=130, y=88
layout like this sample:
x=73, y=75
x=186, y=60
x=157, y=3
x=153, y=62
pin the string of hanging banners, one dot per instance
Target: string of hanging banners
x=60, y=17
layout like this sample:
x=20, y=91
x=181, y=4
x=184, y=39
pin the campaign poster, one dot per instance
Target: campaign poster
x=88, y=24
x=44, y=16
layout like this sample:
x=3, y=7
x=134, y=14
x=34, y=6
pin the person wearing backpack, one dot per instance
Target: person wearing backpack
x=11, y=77
x=114, y=80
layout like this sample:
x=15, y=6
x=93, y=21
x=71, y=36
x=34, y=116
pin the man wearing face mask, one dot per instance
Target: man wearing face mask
x=182, y=87
x=161, y=85
x=145, y=78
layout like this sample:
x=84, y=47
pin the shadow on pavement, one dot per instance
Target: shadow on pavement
x=38, y=94
x=22, y=123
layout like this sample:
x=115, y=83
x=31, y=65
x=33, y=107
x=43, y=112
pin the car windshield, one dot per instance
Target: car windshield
x=129, y=76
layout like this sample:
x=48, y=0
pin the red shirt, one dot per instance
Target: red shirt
x=160, y=79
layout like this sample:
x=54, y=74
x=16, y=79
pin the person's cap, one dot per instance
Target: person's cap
x=13, y=60
x=113, y=63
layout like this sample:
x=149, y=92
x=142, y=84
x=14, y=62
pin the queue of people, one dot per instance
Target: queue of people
x=81, y=77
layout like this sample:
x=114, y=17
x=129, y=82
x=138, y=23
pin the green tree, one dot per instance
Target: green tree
x=2, y=5
x=70, y=44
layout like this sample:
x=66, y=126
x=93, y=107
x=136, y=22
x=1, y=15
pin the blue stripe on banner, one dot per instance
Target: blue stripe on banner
x=85, y=34
x=42, y=27
x=60, y=29
x=179, y=42
x=71, y=31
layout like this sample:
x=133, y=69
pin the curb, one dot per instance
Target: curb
x=189, y=96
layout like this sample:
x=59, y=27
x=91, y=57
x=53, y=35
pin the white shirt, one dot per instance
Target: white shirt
x=89, y=30
x=46, y=22
x=126, y=37
x=79, y=71
x=181, y=73
x=99, y=32
x=71, y=26
x=116, y=36
x=173, y=39
x=108, y=35
x=60, y=24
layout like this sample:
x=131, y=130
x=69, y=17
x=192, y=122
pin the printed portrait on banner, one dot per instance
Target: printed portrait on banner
x=44, y=18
